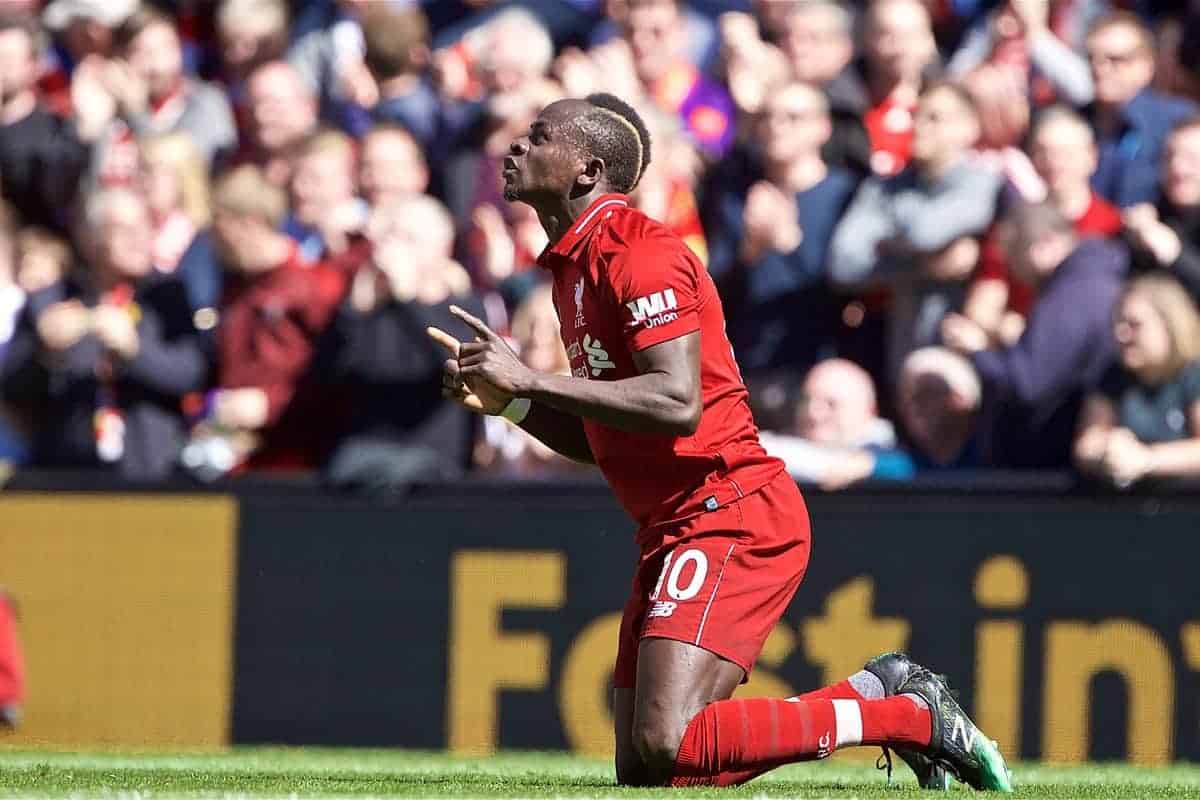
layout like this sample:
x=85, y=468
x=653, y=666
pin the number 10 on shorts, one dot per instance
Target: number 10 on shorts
x=672, y=574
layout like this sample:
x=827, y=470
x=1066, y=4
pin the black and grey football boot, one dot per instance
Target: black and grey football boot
x=956, y=743
x=893, y=670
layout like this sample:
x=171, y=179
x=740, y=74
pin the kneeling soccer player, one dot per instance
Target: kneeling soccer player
x=657, y=402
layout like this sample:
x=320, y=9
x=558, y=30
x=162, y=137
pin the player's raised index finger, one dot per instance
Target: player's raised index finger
x=447, y=341
x=476, y=324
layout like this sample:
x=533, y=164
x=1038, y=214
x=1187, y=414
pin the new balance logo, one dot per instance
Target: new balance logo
x=598, y=358
x=963, y=733
x=654, y=309
x=663, y=608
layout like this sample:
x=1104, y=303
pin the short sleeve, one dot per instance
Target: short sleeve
x=656, y=283
x=1190, y=378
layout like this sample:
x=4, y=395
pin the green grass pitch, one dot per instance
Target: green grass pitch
x=308, y=772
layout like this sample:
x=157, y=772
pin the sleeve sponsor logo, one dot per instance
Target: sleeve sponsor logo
x=654, y=309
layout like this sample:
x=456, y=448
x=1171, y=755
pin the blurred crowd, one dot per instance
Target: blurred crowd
x=948, y=235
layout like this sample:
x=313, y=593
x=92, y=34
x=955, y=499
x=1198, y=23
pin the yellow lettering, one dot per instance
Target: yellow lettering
x=1189, y=634
x=484, y=660
x=1001, y=583
x=849, y=635
x=1075, y=653
x=583, y=692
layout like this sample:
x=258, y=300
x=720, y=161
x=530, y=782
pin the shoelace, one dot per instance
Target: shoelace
x=885, y=762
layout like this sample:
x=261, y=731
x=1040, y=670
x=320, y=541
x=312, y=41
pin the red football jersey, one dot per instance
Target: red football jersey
x=623, y=283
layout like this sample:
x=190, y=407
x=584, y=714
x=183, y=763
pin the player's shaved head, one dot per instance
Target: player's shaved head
x=576, y=147
x=608, y=128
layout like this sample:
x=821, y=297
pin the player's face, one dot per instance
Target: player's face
x=544, y=163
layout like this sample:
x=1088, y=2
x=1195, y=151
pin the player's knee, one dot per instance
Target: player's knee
x=657, y=742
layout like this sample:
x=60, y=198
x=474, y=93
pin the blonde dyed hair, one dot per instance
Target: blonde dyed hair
x=1178, y=312
x=191, y=173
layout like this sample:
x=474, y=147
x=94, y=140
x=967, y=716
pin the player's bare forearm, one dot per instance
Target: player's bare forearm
x=664, y=398
x=561, y=432
x=649, y=403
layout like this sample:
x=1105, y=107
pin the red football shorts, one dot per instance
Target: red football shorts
x=719, y=580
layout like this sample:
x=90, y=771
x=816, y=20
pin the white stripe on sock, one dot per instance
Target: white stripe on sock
x=849, y=722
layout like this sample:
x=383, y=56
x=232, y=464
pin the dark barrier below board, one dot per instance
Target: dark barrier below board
x=481, y=617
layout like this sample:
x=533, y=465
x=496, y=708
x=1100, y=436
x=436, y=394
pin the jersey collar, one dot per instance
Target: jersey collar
x=582, y=228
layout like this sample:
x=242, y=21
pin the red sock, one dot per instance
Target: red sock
x=731, y=741
x=838, y=691
x=12, y=666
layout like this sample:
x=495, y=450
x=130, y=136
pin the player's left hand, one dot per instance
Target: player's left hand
x=490, y=358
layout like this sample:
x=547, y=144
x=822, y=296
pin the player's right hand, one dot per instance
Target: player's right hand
x=479, y=396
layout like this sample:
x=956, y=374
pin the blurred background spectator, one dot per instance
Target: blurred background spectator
x=43, y=157
x=836, y=437
x=102, y=358
x=771, y=225
x=273, y=308
x=1166, y=236
x=1144, y=421
x=503, y=450
x=155, y=96
x=938, y=398
x=1131, y=119
x=385, y=369
x=281, y=114
x=1033, y=388
x=916, y=233
x=1063, y=154
x=228, y=222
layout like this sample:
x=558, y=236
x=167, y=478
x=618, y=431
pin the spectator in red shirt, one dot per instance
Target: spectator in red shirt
x=899, y=50
x=274, y=307
x=1063, y=151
